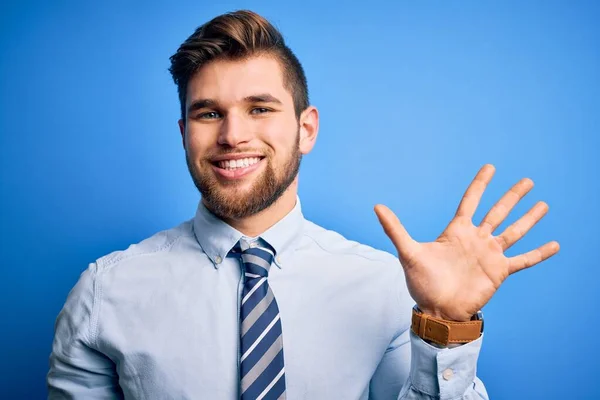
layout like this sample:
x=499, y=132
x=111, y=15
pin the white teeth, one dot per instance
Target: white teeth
x=234, y=164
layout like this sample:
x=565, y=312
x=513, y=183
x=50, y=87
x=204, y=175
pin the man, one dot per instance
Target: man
x=250, y=300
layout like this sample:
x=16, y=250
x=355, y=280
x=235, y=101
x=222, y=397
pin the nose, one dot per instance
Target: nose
x=233, y=131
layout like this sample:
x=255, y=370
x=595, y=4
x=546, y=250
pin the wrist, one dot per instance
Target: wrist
x=444, y=332
x=439, y=315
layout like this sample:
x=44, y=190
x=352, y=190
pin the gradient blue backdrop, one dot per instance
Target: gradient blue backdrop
x=414, y=99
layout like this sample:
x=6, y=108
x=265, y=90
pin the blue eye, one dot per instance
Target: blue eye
x=209, y=115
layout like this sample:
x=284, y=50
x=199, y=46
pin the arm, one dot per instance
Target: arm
x=413, y=369
x=452, y=278
x=77, y=369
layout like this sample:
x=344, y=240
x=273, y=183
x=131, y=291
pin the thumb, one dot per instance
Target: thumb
x=395, y=231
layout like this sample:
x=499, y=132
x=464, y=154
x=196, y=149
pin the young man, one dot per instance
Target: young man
x=250, y=300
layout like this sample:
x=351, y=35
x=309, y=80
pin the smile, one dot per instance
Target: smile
x=235, y=164
x=235, y=169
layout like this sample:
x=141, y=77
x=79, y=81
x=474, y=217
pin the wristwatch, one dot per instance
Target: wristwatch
x=444, y=332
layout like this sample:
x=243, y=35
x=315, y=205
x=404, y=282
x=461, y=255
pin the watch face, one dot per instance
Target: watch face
x=480, y=318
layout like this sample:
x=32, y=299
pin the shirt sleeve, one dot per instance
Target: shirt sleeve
x=77, y=370
x=412, y=369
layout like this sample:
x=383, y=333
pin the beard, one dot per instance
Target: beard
x=228, y=202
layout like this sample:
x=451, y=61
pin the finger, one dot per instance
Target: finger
x=395, y=231
x=532, y=257
x=517, y=230
x=503, y=207
x=472, y=196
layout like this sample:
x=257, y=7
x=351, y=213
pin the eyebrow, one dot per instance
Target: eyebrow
x=262, y=98
x=255, y=98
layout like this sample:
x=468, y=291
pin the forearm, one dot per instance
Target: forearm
x=448, y=373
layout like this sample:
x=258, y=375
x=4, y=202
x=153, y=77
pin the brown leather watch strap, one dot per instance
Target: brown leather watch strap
x=444, y=332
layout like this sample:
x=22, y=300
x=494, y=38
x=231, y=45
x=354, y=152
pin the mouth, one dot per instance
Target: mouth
x=236, y=169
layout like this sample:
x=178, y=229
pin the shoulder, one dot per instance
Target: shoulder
x=354, y=260
x=159, y=244
x=332, y=242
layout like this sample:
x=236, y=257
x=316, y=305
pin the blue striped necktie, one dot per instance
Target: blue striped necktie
x=262, y=373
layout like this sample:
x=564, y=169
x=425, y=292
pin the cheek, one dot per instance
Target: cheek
x=197, y=145
x=194, y=151
x=279, y=138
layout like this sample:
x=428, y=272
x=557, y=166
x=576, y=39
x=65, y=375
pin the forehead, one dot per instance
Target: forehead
x=230, y=81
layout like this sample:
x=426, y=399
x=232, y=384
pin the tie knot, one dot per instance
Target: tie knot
x=257, y=259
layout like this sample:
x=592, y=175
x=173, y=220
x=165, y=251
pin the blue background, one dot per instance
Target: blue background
x=414, y=97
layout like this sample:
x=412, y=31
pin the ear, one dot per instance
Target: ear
x=182, y=131
x=309, y=129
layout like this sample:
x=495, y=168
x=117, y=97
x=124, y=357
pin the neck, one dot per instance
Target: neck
x=256, y=224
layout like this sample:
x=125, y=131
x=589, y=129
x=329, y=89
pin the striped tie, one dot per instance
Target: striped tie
x=262, y=372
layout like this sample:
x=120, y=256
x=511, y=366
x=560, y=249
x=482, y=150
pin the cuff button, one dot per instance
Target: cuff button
x=447, y=374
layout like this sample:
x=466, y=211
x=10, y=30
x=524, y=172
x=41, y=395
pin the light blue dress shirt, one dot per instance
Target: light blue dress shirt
x=159, y=320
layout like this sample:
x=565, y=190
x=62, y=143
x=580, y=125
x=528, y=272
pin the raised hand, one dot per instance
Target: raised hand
x=456, y=275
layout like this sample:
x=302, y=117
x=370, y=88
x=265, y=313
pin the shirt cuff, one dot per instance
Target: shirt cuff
x=444, y=372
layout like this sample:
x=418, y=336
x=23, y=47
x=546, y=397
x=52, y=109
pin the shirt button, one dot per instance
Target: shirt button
x=218, y=260
x=278, y=260
x=448, y=374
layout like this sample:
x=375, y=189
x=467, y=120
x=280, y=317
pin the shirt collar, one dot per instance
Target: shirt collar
x=217, y=238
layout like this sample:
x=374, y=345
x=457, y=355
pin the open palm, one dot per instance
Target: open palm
x=456, y=275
